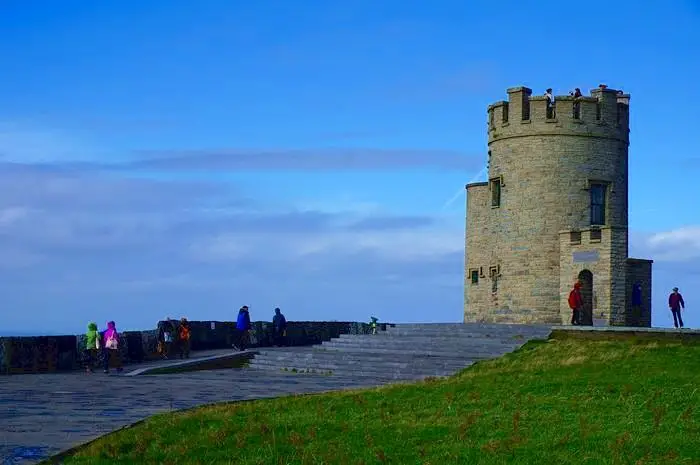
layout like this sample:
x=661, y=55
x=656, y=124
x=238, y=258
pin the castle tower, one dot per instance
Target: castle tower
x=554, y=211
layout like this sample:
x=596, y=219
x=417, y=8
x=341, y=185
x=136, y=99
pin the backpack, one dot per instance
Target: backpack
x=112, y=343
x=184, y=333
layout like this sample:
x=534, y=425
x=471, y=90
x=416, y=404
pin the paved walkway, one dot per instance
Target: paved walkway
x=43, y=414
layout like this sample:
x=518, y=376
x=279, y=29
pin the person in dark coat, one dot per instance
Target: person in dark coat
x=243, y=327
x=676, y=303
x=279, y=328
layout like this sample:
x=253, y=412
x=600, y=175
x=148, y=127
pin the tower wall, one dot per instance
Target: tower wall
x=545, y=165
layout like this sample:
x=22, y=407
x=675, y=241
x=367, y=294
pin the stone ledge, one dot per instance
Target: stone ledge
x=623, y=332
x=166, y=365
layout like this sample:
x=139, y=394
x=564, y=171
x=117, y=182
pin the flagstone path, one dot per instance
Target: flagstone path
x=43, y=414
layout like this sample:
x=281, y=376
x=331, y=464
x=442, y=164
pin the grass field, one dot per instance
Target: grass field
x=557, y=402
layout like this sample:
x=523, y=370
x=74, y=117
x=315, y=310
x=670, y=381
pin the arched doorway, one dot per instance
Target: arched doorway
x=585, y=277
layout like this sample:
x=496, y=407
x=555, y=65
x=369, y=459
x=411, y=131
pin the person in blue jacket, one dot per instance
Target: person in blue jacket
x=243, y=326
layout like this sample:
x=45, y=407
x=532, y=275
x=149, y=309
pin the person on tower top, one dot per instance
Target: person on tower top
x=576, y=304
x=550, y=103
x=676, y=303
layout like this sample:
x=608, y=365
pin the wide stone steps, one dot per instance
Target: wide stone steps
x=453, y=345
x=437, y=337
x=403, y=352
x=418, y=351
x=316, y=353
x=468, y=331
x=329, y=362
x=470, y=326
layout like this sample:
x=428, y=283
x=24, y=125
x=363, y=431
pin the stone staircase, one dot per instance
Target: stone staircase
x=403, y=352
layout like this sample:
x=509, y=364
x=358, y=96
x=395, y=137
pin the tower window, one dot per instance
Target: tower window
x=597, y=193
x=596, y=235
x=474, y=276
x=505, y=112
x=575, y=237
x=495, y=192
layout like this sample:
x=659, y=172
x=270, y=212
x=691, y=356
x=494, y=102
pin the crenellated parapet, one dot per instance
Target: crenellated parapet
x=605, y=113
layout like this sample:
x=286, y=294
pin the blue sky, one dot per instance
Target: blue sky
x=382, y=107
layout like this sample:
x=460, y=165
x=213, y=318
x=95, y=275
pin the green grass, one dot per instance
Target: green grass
x=564, y=401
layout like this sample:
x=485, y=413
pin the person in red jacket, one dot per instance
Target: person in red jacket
x=576, y=304
x=675, y=303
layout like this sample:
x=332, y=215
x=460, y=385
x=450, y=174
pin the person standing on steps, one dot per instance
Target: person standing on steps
x=576, y=304
x=279, y=328
x=243, y=326
x=111, y=345
x=676, y=304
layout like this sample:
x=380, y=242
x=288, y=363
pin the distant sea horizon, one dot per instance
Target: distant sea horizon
x=33, y=333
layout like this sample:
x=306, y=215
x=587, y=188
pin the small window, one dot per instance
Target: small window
x=505, y=112
x=577, y=110
x=575, y=237
x=597, y=111
x=596, y=235
x=526, y=109
x=491, y=118
x=496, y=192
x=597, y=193
x=474, y=276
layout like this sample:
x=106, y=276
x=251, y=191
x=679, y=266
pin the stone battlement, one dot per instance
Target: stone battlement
x=603, y=114
x=47, y=354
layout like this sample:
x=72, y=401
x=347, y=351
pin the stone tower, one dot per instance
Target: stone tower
x=554, y=211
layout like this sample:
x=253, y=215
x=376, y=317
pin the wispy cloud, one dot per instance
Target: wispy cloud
x=304, y=160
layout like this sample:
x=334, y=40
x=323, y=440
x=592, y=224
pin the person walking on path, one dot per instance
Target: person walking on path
x=111, y=345
x=92, y=346
x=243, y=326
x=165, y=337
x=184, y=336
x=576, y=304
x=676, y=304
x=279, y=328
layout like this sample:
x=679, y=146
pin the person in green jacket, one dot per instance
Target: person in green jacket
x=93, y=346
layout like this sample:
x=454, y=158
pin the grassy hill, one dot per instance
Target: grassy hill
x=556, y=402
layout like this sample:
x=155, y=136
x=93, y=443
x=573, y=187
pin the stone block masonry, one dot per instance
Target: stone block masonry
x=49, y=354
x=553, y=211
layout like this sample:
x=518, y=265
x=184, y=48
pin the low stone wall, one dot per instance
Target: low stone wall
x=48, y=354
